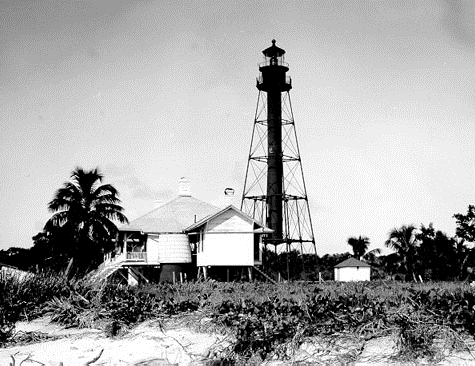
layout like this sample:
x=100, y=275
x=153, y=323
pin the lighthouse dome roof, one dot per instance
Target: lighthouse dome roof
x=273, y=51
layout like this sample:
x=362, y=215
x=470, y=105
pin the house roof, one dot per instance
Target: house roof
x=352, y=262
x=206, y=219
x=173, y=216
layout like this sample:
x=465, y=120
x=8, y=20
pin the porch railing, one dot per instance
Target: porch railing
x=137, y=256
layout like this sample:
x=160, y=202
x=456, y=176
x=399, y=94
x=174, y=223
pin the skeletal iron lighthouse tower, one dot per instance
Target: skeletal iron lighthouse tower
x=274, y=189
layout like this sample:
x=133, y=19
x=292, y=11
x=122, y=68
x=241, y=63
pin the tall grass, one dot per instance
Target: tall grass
x=22, y=298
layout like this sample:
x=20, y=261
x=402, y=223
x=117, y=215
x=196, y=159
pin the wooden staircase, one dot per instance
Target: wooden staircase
x=265, y=275
x=105, y=270
x=137, y=275
x=108, y=268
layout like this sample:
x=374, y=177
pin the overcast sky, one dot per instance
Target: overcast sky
x=150, y=91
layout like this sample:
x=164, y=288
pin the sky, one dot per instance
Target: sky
x=151, y=91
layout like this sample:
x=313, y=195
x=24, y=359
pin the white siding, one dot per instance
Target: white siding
x=169, y=248
x=352, y=274
x=152, y=249
x=229, y=221
x=227, y=241
x=226, y=249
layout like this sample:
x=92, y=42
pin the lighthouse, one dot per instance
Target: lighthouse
x=274, y=189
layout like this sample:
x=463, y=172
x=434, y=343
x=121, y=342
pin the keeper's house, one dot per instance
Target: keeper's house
x=184, y=238
x=352, y=269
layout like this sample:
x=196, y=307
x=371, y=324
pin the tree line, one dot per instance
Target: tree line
x=426, y=254
x=419, y=254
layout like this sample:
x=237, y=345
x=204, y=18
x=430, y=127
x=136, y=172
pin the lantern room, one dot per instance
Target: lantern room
x=273, y=71
x=274, y=56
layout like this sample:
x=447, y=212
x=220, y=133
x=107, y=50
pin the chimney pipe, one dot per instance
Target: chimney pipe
x=228, y=196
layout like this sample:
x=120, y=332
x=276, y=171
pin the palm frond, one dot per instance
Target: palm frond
x=108, y=207
x=111, y=213
x=109, y=226
x=86, y=181
x=57, y=220
x=64, y=197
x=109, y=198
x=106, y=189
x=376, y=251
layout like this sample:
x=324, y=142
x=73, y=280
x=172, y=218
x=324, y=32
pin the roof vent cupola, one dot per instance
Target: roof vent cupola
x=184, y=189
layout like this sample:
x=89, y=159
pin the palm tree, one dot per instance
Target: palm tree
x=371, y=255
x=87, y=211
x=360, y=245
x=403, y=240
x=463, y=253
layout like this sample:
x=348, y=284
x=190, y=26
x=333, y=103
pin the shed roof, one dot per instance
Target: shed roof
x=352, y=262
x=172, y=217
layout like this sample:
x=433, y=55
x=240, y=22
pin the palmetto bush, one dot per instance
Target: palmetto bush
x=8, y=313
x=23, y=298
x=115, y=306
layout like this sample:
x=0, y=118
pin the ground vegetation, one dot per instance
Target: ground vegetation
x=266, y=321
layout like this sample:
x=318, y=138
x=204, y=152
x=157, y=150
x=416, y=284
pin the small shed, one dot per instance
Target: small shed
x=352, y=269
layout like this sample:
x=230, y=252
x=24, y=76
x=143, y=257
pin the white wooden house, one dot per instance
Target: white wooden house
x=352, y=269
x=229, y=238
x=184, y=233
